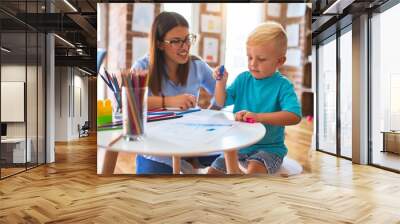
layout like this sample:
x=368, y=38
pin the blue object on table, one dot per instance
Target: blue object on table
x=101, y=53
x=169, y=112
x=207, y=125
x=161, y=113
x=221, y=72
x=188, y=111
x=164, y=118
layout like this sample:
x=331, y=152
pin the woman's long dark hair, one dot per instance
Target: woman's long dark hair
x=163, y=23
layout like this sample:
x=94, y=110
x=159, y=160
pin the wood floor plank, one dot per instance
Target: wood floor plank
x=331, y=190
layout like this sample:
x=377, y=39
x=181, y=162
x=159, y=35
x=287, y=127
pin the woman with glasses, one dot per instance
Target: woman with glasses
x=175, y=79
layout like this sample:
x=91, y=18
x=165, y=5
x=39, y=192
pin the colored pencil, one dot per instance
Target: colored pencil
x=134, y=84
x=112, y=82
x=165, y=118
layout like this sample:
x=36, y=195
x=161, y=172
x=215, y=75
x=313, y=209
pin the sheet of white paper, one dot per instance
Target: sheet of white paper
x=210, y=24
x=274, y=9
x=206, y=118
x=143, y=15
x=296, y=9
x=194, y=130
x=293, y=31
x=293, y=57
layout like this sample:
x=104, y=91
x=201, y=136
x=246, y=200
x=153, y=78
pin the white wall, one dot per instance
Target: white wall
x=12, y=73
x=33, y=126
x=69, y=82
x=50, y=93
x=61, y=104
x=234, y=39
x=80, y=83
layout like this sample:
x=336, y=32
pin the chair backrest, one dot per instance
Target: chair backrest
x=86, y=125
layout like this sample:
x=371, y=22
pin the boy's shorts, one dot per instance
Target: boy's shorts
x=271, y=161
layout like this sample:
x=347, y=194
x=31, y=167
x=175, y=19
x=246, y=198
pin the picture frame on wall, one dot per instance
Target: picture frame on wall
x=210, y=49
x=213, y=7
x=210, y=24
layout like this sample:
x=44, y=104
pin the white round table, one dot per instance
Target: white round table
x=196, y=134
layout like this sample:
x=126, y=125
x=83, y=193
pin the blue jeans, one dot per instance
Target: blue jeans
x=271, y=161
x=147, y=166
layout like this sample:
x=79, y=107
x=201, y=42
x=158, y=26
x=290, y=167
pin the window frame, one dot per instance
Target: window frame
x=333, y=37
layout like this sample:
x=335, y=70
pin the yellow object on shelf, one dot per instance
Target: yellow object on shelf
x=100, y=108
x=108, y=107
x=104, y=112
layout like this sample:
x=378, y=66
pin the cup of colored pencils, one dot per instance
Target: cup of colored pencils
x=134, y=104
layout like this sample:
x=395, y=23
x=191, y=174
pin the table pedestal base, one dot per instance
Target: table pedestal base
x=176, y=164
x=110, y=160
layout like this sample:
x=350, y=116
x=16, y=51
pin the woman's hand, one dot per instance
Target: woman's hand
x=183, y=101
x=246, y=116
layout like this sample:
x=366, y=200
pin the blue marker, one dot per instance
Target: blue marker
x=221, y=72
x=188, y=111
x=207, y=125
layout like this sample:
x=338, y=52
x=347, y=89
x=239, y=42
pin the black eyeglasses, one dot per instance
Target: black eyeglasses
x=178, y=43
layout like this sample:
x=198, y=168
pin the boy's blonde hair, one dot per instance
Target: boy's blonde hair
x=269, y=31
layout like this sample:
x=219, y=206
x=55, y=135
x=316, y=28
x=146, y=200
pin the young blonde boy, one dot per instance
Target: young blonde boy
x=264, y=95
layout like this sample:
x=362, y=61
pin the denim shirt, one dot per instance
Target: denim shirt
x=200, y=75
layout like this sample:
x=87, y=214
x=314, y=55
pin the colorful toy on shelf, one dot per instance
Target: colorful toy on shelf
x=104, y=112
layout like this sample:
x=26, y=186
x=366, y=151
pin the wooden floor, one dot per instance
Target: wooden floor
x=387, y=159
x=10, y=171
x=331, y=190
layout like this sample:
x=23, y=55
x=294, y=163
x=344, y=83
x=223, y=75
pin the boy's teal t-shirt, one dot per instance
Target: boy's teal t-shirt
x=271, y=94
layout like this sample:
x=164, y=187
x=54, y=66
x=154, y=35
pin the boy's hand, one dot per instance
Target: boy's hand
x=246, y=116
x=220, y=78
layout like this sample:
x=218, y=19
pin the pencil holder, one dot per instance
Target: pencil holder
x=134, y=112
x=117, y=115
